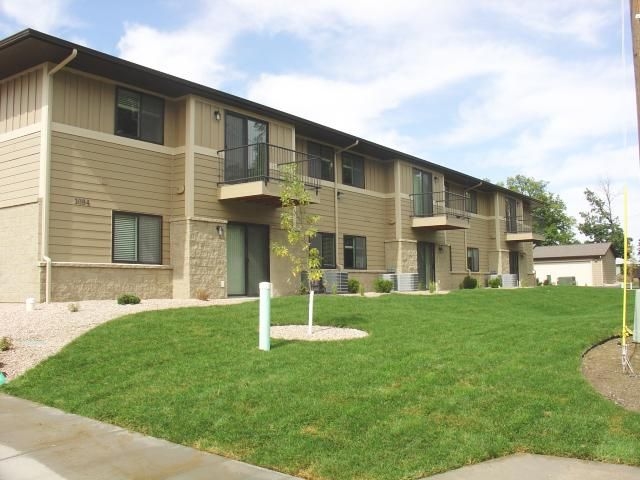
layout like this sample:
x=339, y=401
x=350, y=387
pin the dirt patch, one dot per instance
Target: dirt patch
x=602, y=366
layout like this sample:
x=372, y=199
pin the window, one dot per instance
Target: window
x=473, y=259
x=139, y=116
x=355, y=252
x=320, y=161
x=471, y=201
x=352, y=170
x=137, y=238
x=326, y=245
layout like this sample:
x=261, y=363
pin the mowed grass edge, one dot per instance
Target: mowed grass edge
x=441, y=381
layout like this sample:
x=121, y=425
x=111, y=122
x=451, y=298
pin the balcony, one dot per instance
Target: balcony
x=255, y=172
x=439, y=211
x=523, y=229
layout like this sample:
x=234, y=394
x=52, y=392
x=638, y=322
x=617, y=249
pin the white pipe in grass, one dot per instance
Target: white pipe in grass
x=310, y=313
x=264, y=342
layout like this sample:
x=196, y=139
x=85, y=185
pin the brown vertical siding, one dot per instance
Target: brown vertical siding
x=19, y=170
x=111, y=177
x=20, y=101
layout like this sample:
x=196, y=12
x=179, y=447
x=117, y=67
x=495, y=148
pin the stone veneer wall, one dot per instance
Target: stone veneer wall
x=199, y=257
x=19, y=244
x=207, y=258
x=401, y=256
x=96, y=281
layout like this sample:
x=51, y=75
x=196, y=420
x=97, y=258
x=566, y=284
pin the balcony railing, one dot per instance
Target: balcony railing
x=531, y=224
x=431, y=204
x=265, y=162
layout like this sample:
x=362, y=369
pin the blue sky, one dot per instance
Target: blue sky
x=492, y=88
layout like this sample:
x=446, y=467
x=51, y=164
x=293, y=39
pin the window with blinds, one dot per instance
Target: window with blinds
x=326, y=245
x=137, y=238
x=320, y=161
x=355, y=252
x=139, y=116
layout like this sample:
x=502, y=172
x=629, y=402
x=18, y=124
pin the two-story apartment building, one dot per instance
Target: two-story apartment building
x=118, y=178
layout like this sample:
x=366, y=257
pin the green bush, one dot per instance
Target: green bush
x=5, y=344
x=382, y=286
x=469, y=283
x=433, y=287
x=495, y=282
x=128, y=299
x=353, y=285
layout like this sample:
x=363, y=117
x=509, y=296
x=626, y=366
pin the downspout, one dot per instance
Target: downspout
x=335, y=193
x=45, y=164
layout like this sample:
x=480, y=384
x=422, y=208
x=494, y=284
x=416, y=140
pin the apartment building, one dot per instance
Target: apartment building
x=118, y=178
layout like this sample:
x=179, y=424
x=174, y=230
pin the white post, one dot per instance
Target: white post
x=310, y=331
x=264, y=342
x=636, y=319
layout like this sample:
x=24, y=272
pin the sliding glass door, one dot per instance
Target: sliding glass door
x=246, y=155
x=422, y=194
x=426, y=263
x=247, y=258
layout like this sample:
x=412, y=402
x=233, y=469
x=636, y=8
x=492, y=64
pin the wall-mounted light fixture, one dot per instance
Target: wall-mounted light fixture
x=220, y=231
x=217, y=115
x=339, y=194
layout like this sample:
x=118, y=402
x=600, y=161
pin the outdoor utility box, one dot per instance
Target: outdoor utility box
x=406, y=282
x=402, y=282
x=566, y=280
x=509, y=280
x=335, y=281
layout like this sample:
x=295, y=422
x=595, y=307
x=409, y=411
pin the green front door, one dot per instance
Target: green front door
x=247, y=258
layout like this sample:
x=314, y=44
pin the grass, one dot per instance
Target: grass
x=442, y=381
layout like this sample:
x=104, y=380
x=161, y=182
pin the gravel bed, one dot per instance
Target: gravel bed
x=40, y=333
x=319, y=333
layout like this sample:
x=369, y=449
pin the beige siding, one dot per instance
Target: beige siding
x=19, y=170
x=360, y=215
x=174, y=123
x=87, y=102
x=176, y=185
x=111, y=177
x=20, y=101
x=209, y=132
x=19, y=240
x=83, y=102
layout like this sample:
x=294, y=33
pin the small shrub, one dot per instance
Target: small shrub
x=128, y=299
x=353, y=285
x=361, y=290
x=73, y=307
x=433, y=287
x=334, y=289
x=495, y=282
x=382, y=286
x=469, y=282
x=5, y=344
x=202, y=294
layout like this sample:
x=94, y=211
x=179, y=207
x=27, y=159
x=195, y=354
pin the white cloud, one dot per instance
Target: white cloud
x=47, y=16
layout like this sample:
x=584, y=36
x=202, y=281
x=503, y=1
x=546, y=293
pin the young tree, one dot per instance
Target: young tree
x=552, y=211
x=599, y=224
x=300, y=227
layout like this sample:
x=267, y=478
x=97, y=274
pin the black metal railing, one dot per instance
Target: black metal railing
x=266, y=162
x=527, y=224
x=430, y=204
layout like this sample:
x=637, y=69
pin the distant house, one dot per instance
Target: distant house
x=592, y=264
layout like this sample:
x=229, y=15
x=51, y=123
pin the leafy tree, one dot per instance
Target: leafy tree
x=599, y=224
x=552, y=211
x=300, y=227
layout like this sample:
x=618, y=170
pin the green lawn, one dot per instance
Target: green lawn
x=442, y=381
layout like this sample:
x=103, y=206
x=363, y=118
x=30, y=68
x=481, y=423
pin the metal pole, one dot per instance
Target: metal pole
x=264, y=342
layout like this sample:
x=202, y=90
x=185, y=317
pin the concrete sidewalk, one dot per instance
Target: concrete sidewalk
x=43, y=443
